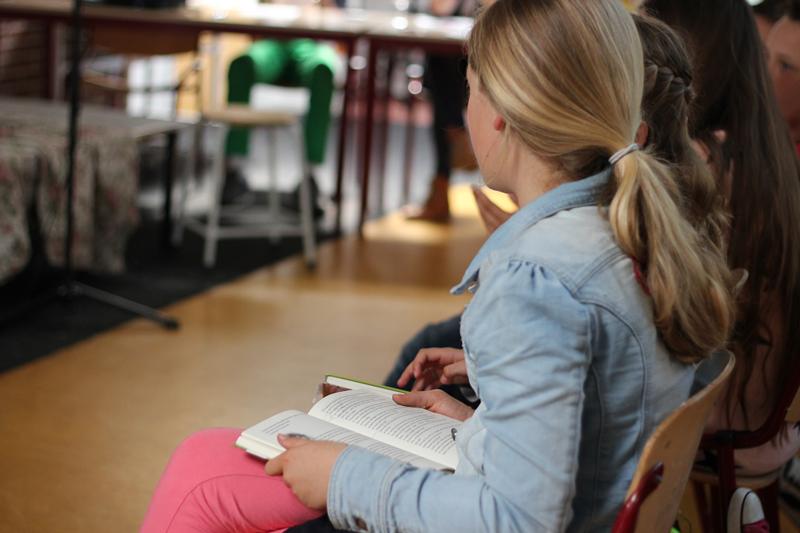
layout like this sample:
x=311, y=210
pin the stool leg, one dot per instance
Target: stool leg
x=212, y=221
x=306, y=208
x=189, y=176
x=272, y=180
x=408, y=160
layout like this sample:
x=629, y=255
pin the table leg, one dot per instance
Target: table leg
x=169, y=178
x=215, y=48
x=51, y=59
x=366, y=156
x=343, y=123
x=410, y=138
x=383, y=100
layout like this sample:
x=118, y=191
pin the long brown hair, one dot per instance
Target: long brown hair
x=735, y=96
x=567, y=77
x=668, y=97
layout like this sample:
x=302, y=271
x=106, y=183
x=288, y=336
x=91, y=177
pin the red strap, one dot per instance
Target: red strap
x=757, y=527
x=637, y=272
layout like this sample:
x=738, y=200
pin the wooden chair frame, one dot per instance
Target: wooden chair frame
x=663, y=470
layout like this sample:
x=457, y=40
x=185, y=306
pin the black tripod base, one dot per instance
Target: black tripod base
x=74, y=289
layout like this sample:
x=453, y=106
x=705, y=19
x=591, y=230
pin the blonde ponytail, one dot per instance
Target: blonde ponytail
x=685, y=270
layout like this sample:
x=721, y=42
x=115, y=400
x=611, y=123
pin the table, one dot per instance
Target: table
x=33, y=138
x=259, y=20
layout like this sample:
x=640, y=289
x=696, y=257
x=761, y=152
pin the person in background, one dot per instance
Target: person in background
x=783, y=46
x=767, y=13
x=737, y=121
x=444, y=77
x=590, y=307
x=293, y=63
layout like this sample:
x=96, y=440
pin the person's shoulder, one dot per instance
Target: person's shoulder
x=574, y=244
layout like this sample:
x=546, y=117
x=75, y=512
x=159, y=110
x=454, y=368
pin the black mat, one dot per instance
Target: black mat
x=35, y=324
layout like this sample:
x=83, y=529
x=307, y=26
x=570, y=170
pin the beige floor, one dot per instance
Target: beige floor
x=86, y=431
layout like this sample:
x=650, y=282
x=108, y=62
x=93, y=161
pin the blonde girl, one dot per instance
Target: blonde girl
x=589, y=306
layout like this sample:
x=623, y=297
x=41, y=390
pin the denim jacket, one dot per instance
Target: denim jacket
x=561, y=348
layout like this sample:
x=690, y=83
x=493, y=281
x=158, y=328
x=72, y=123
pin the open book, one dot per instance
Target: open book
x=366, y=418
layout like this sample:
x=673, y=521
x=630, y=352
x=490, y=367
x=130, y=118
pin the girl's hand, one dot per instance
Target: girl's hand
x=306, y=468
x=433, y=367
x=436, y=401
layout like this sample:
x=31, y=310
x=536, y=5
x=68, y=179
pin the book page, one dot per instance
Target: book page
x=427, y=434
x=261, y=440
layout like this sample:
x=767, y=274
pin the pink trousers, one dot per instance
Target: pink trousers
x=211, y=486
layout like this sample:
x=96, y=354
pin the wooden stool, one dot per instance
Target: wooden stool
x=270, y=220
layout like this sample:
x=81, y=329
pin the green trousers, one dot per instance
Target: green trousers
x=294, y=63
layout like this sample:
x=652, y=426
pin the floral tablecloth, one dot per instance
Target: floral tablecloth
x=33, y=164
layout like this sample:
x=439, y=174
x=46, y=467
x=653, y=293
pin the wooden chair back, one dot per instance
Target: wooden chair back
x=133, y=43
x=663, y=470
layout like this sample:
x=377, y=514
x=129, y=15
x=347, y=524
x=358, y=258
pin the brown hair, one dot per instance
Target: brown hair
x=666, y=104
x=793, y=12
x=735, y=95
x=567, y=77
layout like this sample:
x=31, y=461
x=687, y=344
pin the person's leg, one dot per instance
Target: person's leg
x=262, y=62
x=314, y=65
x=447, y=86
x=211, y=486
x=444, y=334
x=241, y=78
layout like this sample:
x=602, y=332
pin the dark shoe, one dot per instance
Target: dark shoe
x=291, y=201
x=235, y=190
x=436, y=207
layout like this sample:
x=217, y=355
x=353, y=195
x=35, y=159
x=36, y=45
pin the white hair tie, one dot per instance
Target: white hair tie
x=619, y=154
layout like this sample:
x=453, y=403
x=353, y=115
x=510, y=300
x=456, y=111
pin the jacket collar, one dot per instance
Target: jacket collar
x=580, y=193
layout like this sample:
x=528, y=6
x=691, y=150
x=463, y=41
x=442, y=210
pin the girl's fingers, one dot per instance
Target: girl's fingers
x=274, y=467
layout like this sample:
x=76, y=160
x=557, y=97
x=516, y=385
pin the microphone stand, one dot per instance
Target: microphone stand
x=71, y=288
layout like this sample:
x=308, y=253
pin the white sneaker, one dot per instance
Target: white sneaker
x=745, y=514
